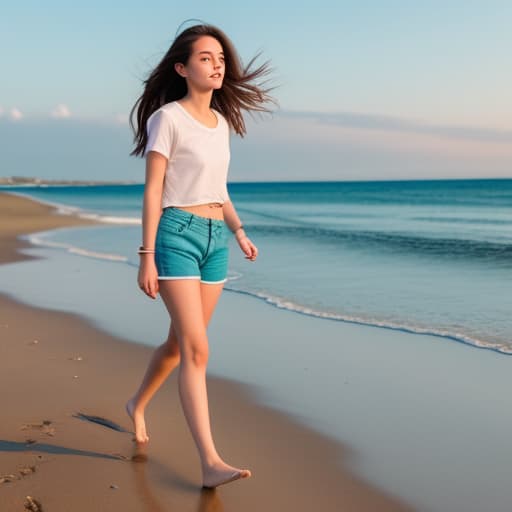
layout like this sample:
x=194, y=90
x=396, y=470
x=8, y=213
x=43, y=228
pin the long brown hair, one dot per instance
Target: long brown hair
x=238, y=92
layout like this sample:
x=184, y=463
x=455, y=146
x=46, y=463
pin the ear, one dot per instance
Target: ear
x=180, y=69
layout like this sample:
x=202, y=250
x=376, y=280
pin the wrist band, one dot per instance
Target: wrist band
x=238, y=228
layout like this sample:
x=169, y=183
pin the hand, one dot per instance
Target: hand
x=250, y=250
x=148, y=276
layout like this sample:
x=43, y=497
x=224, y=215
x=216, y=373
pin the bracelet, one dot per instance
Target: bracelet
x=238, y=228
x=143, y=250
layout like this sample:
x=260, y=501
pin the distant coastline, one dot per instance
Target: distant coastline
x=24, y=180
x=30, y=181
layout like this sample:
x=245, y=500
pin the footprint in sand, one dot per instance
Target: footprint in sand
x=32, y=505
x=24, y=471
x=45, y=427
x=6, y=479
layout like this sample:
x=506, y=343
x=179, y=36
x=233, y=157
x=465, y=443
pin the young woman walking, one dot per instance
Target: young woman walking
x=191, y=101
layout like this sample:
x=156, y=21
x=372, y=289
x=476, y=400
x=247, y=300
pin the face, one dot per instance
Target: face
x=205, y=67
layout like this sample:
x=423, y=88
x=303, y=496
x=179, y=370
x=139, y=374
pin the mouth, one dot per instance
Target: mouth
x=216, y=75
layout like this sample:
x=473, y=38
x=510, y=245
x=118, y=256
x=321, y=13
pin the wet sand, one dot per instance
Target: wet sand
x=55, y=365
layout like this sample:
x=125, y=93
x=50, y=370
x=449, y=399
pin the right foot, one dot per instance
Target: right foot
x=138, y=422
x=223, y=474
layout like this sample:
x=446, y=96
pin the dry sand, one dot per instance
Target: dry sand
x=54, y=365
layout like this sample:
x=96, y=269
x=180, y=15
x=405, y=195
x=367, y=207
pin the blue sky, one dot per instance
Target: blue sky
x=368, y=89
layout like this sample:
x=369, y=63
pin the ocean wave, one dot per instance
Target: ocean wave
x=43, y=242
x=39, y=239
x=465, y=220
x=64, y=209
x=490, y=252
x=109, y=219
x=283, y=303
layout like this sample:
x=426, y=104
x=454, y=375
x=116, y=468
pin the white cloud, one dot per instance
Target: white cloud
x=61, y=112
x=384, y=123
x=1, y=111
x=15, y=114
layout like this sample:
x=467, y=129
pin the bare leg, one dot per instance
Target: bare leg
x=165, y=358
x=183, y=300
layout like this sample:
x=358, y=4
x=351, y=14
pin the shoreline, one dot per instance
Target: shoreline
x=22, y=216
x=102, y=219
x=69, y=370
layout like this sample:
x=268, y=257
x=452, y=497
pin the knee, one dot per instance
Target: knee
x=195, y=351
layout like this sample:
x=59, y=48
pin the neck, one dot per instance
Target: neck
x=199, y=101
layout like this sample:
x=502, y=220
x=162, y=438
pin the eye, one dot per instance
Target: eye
x=205, y=58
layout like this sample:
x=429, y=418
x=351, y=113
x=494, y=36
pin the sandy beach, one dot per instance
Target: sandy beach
x=55, y=365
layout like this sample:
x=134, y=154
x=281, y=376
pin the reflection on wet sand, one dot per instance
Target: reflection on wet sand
x=208, y=499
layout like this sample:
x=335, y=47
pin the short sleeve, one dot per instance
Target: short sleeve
x=160, y=134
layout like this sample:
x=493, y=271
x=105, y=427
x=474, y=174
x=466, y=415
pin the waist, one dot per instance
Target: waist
x=207, y=210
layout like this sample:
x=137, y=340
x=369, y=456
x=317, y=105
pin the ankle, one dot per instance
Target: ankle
x=212, y=462
x=135, y=404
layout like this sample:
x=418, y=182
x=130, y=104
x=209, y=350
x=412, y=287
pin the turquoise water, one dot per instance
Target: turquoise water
x=423, y=256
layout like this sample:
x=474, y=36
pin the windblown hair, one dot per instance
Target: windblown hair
x=238, y=91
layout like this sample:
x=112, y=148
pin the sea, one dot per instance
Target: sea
x=431, y=257
x=413, y=413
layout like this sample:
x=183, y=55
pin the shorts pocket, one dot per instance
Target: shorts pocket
x=172, y=224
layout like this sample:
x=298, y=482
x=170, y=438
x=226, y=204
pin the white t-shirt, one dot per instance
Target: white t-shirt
x=198, y=156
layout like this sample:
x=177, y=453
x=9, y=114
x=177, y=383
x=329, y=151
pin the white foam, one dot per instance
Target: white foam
x=64, y=209
x=41, y=241
x=282, y=303
x=109, y=219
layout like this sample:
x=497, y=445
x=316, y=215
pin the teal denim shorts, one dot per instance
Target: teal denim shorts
x=189, y=246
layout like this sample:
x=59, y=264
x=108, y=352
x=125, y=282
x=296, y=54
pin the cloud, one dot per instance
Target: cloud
x=61, y=112
x=15, y=114
x=1, y=111
x=301, y=147
x=396, y=124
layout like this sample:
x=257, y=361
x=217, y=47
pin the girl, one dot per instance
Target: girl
x=190, y=102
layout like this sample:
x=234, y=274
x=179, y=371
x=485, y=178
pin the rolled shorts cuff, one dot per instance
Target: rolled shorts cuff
x=213, y=282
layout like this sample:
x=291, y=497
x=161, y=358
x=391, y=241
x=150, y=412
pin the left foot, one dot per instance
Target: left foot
x=222, y=474
x=138, y=422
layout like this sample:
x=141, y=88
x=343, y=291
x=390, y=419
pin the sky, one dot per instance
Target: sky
x=367, y=90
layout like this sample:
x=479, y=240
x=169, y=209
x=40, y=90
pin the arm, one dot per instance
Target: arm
x=156, y=164
x=233, y=222
x=232, y=219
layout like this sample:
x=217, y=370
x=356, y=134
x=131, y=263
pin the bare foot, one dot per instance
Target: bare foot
x=222, y=474
x=138, y=422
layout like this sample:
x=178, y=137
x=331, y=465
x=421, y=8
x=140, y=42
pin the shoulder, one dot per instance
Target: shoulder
x=164, y=122
x=164, y=114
